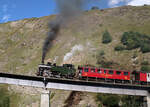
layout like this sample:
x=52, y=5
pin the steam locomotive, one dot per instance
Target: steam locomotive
x=52, y=70
x=92, y=73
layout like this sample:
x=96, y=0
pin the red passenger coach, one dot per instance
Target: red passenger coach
x=141, y=76
x=89, y=72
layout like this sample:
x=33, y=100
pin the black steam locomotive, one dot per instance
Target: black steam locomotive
x=52, y=70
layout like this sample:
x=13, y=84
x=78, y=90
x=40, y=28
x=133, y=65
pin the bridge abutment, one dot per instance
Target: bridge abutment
x=45, y=98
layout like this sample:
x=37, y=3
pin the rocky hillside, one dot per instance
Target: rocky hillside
x=79, y=43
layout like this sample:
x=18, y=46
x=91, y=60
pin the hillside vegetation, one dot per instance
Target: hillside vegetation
x=80, y=42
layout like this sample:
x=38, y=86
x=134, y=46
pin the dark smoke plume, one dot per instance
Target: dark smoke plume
x=51, y=36
x=68, y=9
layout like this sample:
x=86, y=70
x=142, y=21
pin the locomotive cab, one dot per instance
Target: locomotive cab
x=42, y=68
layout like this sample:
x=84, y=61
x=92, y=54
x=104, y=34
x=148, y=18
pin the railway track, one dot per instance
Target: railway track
x=76, y=81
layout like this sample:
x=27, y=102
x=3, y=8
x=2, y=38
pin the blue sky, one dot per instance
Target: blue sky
x=11, y=10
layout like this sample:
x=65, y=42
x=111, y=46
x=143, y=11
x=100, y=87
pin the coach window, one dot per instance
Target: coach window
x=99, y=71
x=92, y=70
x=118, y=72
x=104, y=71
x=86, y=69
x=110, y=72
x=125, y=73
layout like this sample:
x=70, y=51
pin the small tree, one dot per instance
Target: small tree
x=111, y=101
x=145, y=48
x=145, y=63
x=119, y=48
x=106, y=37
x=100, y=57
x=145, y=68
x=108, y=100
x=95, y=8
x=134, y=40
x=102, y=53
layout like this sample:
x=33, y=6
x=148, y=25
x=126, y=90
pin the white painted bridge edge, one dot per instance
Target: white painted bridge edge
x=72, y=87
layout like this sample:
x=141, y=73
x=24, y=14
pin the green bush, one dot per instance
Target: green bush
x=100, y=57
x=119, y=48
x=145, y=68
x=100, y=105
x=101, y=53
x=111, y=101
x=108, y=100
x=95, y=8
x=145, y=48
x=107, y=64
x=106, y=37
x=132, y=101
x=99, y=97
x=134, y=40
x=145, y=63
x=131, y=40
x=52, y=95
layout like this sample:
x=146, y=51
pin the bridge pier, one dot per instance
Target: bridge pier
x=45, y=98
x=148, y=99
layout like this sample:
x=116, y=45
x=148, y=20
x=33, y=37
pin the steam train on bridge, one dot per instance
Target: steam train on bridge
x=93, y=73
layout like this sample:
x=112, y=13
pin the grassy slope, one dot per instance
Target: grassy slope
x=21, y=41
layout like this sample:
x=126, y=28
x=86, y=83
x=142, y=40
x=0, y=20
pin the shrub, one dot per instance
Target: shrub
x=134, y=40
x=106, y=37
x=99, y=97
x=100, y=61
x=145, y=68
x=100, y=57
x=111, y=101
x=52, y=95
x=100, y=105
x=119, y=48
x=108, y=100
x=107, y=64
x=101, y=53
x=131, y=40
x=145, y=48
x=100, y=25
x=132, y=101
x=95, y=8
x=145, y=63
